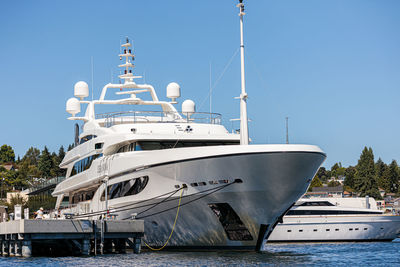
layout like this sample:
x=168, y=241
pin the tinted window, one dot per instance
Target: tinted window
x=87, y=138
x=84, y=164
x=82, y=195
x=316, y=203
x=155, y=145
x=126, y=188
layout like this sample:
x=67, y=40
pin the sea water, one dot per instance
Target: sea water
x=288, y=254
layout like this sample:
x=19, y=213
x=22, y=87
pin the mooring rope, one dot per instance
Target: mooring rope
x=173, y=227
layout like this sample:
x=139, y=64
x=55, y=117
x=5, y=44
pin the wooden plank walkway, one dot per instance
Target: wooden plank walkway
x=77, y=237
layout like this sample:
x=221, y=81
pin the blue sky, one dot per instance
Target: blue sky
x=332, y=67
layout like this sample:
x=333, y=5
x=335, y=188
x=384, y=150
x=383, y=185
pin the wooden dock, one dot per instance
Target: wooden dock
x=69, y=237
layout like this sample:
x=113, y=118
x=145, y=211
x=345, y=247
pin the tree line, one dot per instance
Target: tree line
x=363, y=179
x=35, y=166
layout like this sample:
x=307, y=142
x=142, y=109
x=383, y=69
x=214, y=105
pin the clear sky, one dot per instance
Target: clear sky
x=332, y=67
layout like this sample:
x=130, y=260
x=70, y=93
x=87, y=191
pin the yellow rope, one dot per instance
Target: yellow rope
x=173, y=227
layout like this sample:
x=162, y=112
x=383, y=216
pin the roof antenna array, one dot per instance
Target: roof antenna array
x=126, y=52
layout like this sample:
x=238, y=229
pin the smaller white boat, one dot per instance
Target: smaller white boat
x=336, y=219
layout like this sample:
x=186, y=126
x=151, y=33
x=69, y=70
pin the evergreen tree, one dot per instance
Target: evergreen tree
x=323, y=175
x=45, y=163
x=349, y=174
x=365, y=182
x=334, y=183
x=316, y=182
x=55, y=162
x=61, y=155
x=337, y=170
x=380, y=168
x=32, y=156
x=392, y=178
x=6, y=154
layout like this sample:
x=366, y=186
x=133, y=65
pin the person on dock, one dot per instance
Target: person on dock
x=39, y=214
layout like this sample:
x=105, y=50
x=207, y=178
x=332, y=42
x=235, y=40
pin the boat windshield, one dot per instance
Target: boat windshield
x=316, y=203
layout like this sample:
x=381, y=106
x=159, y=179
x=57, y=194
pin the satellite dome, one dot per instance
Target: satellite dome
x=81, y=90
x=73, y=106
x=188, y=107
x=173, y=91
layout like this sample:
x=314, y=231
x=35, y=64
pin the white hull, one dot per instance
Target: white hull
x=336, y=228
x=276, y=178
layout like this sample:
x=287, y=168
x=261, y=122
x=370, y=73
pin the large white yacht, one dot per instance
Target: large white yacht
x=195, y=184
x=336, y=219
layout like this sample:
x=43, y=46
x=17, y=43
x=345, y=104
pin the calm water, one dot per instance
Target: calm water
x=316, y=254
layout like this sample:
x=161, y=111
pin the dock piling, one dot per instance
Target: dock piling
x=51, y=237
x=26, y=248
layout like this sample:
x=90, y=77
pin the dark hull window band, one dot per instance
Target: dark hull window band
x=233, y=226
x=329, y=212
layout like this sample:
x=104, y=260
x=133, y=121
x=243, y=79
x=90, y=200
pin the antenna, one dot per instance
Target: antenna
x=287, y=130
x=244, y=129
x=91, y=61
x=127, y=53
x=210, y=92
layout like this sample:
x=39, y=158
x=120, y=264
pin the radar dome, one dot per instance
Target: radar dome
x=173, y=91
x=188, y=107
x=73, y=106
x=81, y=90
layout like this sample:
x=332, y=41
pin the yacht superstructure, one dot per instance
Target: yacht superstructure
x=144, y=164
x=336, y=219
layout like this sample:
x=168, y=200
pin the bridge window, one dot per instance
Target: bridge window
x=87, y=138
x=127, y=148
x=156, y=145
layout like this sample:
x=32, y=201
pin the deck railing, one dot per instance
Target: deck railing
x=114, y=118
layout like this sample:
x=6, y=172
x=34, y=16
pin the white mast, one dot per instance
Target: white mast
x=129, y=57
x=244, y=130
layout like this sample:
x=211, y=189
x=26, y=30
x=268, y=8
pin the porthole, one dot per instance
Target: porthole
x=300, y=230
x=212, y=182
x=365, y=229
x=356, y=229
x=194, y=184
x=315, y=230
x=336, y=230
x=289, y=231
x=202, y=183
x=351, y=229
x=328, y=230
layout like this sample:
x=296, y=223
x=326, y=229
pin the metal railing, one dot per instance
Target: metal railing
x=47, y=183
x=124, y=117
